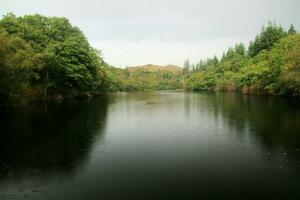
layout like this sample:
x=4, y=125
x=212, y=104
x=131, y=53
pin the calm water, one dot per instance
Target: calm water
x=156, y=145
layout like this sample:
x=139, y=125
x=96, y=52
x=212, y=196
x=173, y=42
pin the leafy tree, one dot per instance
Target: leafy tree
x=62, y=60
x=17, y=61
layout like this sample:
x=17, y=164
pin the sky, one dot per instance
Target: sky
x=138, y=32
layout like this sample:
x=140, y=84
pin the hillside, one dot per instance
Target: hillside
x=156, y=68
x=147, y=77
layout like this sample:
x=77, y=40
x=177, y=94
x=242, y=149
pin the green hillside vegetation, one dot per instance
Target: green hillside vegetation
x=44, y=57
x=47, y=57
x=148, y=77
x=271, y=65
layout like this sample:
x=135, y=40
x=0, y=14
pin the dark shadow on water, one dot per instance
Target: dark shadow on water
x=49, y=138
x=273, y=121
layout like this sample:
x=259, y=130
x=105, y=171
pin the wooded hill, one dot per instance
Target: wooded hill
x=156, y=68
x=47, y=57
x=270, y=65
x=148, y=77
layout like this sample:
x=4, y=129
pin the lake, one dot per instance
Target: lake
x=152, y=145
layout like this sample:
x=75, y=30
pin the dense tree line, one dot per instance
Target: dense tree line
x=43, y=57
x=46, y=57
x=270, y=65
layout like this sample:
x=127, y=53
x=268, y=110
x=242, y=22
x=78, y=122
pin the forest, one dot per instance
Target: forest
x=270, y=65
x=48, y=58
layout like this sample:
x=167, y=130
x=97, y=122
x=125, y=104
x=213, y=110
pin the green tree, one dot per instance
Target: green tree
x=240, y=49
x=266, y=39
x=292, y=30
x=62, y=60
x=17, y=61
x=186, y=66
x=273, y=69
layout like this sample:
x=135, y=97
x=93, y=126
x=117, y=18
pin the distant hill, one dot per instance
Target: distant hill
x=148, y=77
x=156, y=68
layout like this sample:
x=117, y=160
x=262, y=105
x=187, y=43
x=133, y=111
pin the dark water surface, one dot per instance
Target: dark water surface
x=155, y=145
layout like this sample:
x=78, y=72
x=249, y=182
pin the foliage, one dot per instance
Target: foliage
x=266, y=39
x=271, y=66
x=46, y=56
x=16, y=67
x=148, y=77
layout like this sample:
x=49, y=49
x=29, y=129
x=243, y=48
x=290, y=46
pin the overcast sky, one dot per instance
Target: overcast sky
x=136, y=32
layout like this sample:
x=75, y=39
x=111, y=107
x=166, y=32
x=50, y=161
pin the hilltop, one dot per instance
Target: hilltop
x=156, y=68
x=148, y=77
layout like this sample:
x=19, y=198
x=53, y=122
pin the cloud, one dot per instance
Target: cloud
x=162, y=53
x=163, y=31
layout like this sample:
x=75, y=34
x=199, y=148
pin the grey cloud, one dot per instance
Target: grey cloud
x=173, y=21
x=166, y=19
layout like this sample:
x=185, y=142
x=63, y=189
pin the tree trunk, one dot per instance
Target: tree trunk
x=46, y=87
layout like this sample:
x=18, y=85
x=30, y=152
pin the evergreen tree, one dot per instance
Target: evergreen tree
x=223, y=57
x=186, y=66
x=240, y=49
x=215, y=61
x=266, y=39
x=292, y=30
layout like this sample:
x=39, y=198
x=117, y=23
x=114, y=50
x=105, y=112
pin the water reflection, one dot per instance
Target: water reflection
x=273, y=121
x=157, y=145
x=52, y=138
